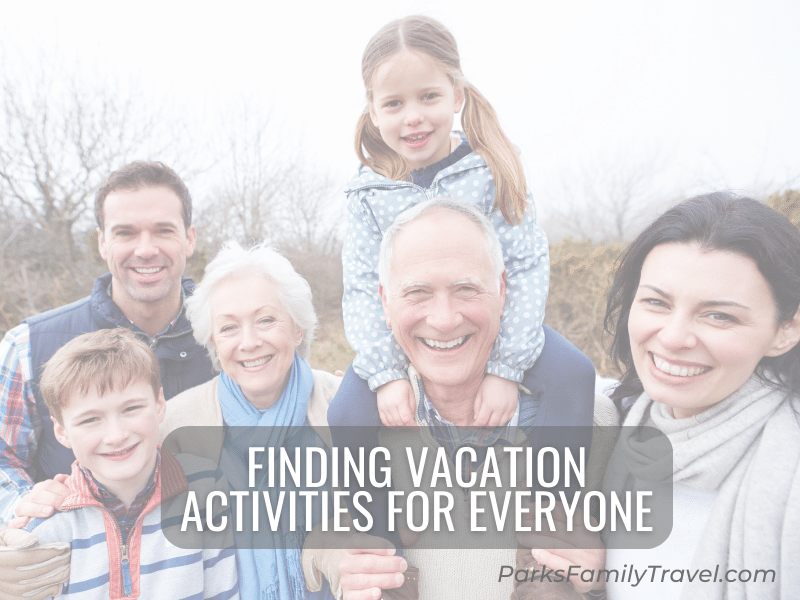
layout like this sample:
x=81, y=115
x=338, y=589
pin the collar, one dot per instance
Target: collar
x=169, y=479
x=105, y=306
x=450, y=436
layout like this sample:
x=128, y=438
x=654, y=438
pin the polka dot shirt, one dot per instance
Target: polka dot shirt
x=373, y=203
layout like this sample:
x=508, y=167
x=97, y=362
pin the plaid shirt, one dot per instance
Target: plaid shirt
x=452, y=437
x=20, y=421
x=124, y=516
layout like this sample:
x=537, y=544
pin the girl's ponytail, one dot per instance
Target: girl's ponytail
x=378, y=156
x=486, y=137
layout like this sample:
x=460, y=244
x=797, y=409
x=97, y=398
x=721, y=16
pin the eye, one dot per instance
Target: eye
x=227, y=329
x=721, y=317
x=266, y=321
x=123, y=233
x=134, y=408
x=430, y=96
x=654, y=302
x=88, y=421
x=391, y=104
x=166, y=231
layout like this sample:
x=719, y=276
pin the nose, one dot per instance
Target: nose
x=250, y=339
x=677, y=332
x=115, y=433
x=145, y=247
x=444, y=315
x=413, y=116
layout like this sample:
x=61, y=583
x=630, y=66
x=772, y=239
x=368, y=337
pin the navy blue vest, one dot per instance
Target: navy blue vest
x=184, y=364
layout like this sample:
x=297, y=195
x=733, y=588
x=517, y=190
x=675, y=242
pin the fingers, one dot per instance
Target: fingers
x=365, y=572
x=43, y=499
x=339, y=373
x=18, y=522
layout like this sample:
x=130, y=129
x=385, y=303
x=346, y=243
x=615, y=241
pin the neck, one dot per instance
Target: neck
x=455, y=403
x=150, y=317
x=127, y=490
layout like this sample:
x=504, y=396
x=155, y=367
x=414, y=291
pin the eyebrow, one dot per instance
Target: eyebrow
x=96, y=411
x=703, y=304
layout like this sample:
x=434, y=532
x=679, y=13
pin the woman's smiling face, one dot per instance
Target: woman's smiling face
x=699, y=324
x=254, y=336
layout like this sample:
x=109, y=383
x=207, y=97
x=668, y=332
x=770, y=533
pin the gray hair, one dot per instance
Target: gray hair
x=471, y=211
x=291, y=289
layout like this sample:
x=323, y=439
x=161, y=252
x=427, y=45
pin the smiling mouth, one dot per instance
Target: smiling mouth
x=148, y=270
x=449, y=345
x=417, y=137
x=256, y=362
x=678, y=370
x=120, y=453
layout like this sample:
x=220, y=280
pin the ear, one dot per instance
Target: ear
x=161, y=405
x=101, y=243
x=60, y=433
x=459, y=98
x=299, y=337
x=385, y=304
x=191, y=238
x=787, y=337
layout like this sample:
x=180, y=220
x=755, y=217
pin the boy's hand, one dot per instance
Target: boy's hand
x=45, y=497
x=396, y=403
x=29, y=570
x=496, y=401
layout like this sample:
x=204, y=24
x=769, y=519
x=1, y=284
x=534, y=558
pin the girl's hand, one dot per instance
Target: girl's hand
x=396, y=403
x=496, y=401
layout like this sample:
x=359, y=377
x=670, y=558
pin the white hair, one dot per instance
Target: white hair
x=471, y=211
x=291, y=289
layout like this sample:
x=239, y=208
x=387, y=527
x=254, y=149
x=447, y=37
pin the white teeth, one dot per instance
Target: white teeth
x=416, y=137
x=444, y=345
x=257, y=362
x=670, y=369
x=147, y=270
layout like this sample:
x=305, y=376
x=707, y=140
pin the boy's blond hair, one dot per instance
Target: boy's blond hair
x=104, y=360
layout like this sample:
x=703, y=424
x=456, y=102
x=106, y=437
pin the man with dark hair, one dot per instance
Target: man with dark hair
x=145, y=234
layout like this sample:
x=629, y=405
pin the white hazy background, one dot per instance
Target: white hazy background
x=694, y=94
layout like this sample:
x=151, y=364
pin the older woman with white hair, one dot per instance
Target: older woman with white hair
x=255, y=315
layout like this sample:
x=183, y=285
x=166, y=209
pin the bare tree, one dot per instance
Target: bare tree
x=267, y=190
x=610, y=201
x=61, y=133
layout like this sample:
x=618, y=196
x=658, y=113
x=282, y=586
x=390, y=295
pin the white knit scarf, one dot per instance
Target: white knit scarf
x=748, y=448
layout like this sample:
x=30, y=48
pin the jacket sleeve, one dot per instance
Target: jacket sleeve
x=19, y=419
x=527, y=263
x=379, y=358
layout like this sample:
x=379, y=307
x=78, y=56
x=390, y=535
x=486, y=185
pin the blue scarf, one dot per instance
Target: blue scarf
x=268, y=574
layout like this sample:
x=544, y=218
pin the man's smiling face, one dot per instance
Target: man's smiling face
x=443, y=301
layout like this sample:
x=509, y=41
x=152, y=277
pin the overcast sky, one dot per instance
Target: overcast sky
x=704, y=91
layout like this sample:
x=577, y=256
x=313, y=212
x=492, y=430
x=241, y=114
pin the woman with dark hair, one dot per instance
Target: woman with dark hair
x=704, y=314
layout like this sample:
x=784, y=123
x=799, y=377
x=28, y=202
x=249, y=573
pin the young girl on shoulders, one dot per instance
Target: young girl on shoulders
x=409, y=153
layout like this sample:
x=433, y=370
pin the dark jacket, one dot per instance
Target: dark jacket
x=184, y=363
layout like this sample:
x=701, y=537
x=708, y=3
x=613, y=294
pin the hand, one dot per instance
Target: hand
x=561, y=549
x=45, y=497
x=496, y=401
x=29, y=570
x=364, y=573
x=396, y=403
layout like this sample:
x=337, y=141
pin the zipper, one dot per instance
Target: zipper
x=126, y=571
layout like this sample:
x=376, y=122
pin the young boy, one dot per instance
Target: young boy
x=104, y=393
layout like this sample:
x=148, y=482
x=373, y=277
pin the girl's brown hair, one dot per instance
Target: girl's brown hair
x=478, y=119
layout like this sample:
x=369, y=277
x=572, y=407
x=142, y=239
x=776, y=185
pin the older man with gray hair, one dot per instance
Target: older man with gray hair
x=442, y=286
